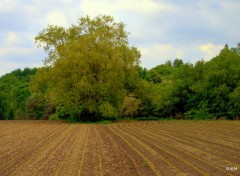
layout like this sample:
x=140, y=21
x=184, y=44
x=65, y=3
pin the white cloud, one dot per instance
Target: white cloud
x=17, y=51
x=210, y=50
x=108, y=7
x=7, y=66
x=162, y=30
x=159, y=51
x=11, y=39
x=17, y=39
x=12, y=58
x=8, y=5
x=33, y=10
x=231, y=6
x=56, y=18
x=153, y=55
x=156, y=54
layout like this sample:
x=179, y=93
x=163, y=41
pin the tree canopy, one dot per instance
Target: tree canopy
x=14, y=93
x=92, y=73
x=89, y=69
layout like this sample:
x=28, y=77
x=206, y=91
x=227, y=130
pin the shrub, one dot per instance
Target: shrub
x=107, y=111
x=198, y=114
x=131, y=106
x=53, y=117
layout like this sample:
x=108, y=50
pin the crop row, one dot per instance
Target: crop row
x=130, y=149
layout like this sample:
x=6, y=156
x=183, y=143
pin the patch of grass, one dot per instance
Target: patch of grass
x=146, y=118
x=104, y=122
x=54, y=117
x=151, y=118
x=71, y=120
x=96, y=122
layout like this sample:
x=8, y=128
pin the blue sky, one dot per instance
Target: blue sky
x=161, y=29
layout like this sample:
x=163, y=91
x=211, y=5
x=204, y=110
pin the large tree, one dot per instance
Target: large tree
x=91, y=67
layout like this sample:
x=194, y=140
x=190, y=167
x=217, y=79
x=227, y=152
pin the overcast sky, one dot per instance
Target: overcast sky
x=161, y=29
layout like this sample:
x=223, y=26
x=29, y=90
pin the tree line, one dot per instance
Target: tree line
x=92, y=73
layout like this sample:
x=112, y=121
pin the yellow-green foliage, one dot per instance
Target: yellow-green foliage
x=107, y=110
x=131, y=106
x=89, y=67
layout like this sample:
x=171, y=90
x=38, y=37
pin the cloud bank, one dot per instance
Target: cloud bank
x=161, y=29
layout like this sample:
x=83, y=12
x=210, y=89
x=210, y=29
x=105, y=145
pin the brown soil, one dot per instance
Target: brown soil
x=123, y=148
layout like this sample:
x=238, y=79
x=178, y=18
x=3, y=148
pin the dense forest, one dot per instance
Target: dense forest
x=91, y=74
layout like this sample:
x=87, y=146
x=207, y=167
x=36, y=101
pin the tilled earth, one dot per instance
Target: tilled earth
x=127, y=148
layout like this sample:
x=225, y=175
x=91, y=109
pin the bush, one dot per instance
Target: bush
x=53, y=117
x=198, y=115
x=107, y=111
x=131, y=106
x=104, y=122
x=71, y=119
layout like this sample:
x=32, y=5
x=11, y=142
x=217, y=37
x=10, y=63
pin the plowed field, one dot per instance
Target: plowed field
x=127, y=149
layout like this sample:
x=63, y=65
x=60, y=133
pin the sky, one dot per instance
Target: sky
x=161, y=29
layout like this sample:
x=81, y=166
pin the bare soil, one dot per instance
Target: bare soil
x=121, y=149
